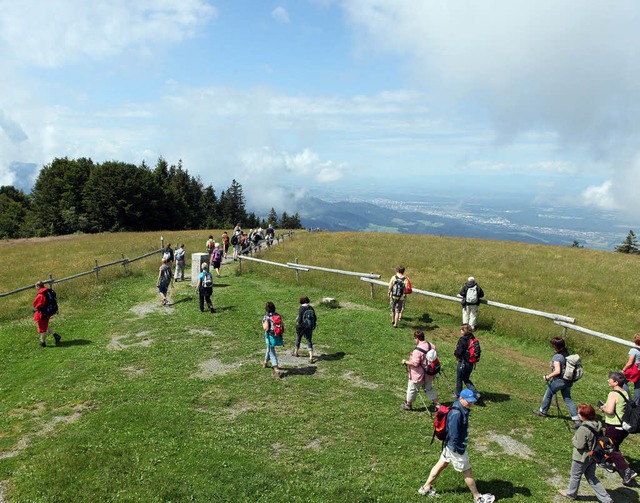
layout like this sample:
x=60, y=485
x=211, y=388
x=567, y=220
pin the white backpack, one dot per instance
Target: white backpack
x=472, y=295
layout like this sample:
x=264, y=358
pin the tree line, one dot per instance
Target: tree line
x=78, y=195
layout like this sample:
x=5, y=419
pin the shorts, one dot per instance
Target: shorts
x=43, y=325
x=460, y=462
x=162, y=288
x=397, y=305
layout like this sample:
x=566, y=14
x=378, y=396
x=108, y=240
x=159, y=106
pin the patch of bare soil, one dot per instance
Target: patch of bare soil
x=116, y=345
x=133, y=371
x=353, y=305
x=358, y=382
x=509, y=446
x=141, y=310
x=196, y=331
x=214, y=367
x=610, y=481
x=46, y=429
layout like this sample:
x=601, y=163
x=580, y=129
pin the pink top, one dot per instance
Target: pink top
x=417, y=362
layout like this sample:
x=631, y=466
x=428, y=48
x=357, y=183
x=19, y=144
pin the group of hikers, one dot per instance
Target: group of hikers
x=591, y=445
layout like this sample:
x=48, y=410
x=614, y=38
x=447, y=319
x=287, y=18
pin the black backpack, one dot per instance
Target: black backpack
x=397, y=289
x=51, y=306
x=602, y=449
x=630, y=419
x=308, y=320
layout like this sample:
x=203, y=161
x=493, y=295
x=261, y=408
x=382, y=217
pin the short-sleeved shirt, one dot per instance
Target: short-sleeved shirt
x=563, y=363
x=636, y=353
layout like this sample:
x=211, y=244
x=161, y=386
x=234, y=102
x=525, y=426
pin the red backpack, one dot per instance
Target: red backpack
x=440, y=422
x=277, y=325
x=473, y=350
x=431, y=368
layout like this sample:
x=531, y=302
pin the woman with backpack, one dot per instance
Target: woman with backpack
x=581, y=462
x=555, y=383
x=631, y=373
x=305, y=325
x=613, y=411
x=270, y=323
x=204, y=287
x=466, y=361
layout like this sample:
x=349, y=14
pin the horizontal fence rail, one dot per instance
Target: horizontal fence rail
x=336, y=271
x=51, y=281
x=597, y=334
x=278, y=264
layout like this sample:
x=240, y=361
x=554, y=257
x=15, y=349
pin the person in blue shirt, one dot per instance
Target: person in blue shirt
x=455, y=449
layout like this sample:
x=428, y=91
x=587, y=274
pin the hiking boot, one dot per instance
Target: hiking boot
x=212, y=310
x=538, y=412
x=485, y=498
x=43, y=344
x=431, y=492
x=406, y=406
x=57, y=338
x=627, y=476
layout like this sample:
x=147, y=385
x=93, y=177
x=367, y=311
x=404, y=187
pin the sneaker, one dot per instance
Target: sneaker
x=212, y=310
x=43, y=344
x=406, y=406
x=431, y=492
x=478, y=396
x=564, y=493
x=486, y=498
x=628, y=476
x=57, y=338
x=538, y=412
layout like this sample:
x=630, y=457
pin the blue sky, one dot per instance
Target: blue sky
x=537, y=100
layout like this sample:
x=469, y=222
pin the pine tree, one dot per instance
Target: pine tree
x=629, y=245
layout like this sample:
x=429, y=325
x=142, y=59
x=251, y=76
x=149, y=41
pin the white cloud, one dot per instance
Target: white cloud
x=601, y=196
x=280, y=14
x=52, y=33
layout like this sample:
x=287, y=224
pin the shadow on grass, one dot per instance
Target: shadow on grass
x=331, y=357
x=74, y=342
x=180, y=301
x=219, y=285
x=492, y=397
x=621, y=494
x=502, y=489
x=299, y=371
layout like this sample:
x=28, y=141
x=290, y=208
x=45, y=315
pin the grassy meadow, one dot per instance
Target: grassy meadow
x=143, y=403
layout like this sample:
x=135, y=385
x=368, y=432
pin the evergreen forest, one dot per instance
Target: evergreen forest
x=81, y=196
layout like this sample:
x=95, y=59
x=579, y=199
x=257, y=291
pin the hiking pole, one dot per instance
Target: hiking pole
x=441, y=374
x=564, y=419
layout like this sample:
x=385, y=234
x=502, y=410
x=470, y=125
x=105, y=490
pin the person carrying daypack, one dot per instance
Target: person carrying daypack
x=454, y=448
x=209, y=245
x=585, y=442
x=421, y=371
x=273, y=330
x=216, y=258
x=181, y=254
x=305, y=325
x=204, y=287
x=45, y=305
x=614, y=410
x=397, y=295
x=163, y=281
x=556, y=382
x=470, y=294
x=167, y=254
x=467, y=353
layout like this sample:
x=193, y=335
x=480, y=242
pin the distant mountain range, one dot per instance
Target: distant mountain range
x=504, y=221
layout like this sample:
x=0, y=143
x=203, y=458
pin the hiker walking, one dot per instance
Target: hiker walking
x=45, y=305
x=397, y=295
x=180, y=261
x=633, y=374
x=556, y=382
x=270, y=234
x=164, y=280
x=225, y=243
x=455, y=449
x=167, y=254
x=417, y=368
x=204, y=287
x=270, y=324
x=305, y=325
x=613, y=411
x=209, y=245
x=467, y=353
x=471, y=294
x=581, y=462
x=216, y=258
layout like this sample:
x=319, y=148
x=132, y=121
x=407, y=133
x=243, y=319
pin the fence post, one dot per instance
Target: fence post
x=297, y=272
x=51, y=282
x=371, y=284
x=240, y=265
x=97, y=268
x=162, y=242
x=124, y=264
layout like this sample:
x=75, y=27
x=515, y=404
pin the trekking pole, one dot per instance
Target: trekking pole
x=564, y=419
x=441, y=374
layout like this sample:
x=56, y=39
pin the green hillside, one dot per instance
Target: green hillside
x=143, y=403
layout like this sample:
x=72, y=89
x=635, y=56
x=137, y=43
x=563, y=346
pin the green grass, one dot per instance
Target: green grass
x=151, y=422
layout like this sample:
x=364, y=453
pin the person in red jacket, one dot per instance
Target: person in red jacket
x=41, y=316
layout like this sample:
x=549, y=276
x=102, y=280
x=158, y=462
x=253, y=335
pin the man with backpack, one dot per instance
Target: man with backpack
x=454, y=449
x=45, y=305
x=467, y=353
x=204, y=287
x=397, y=295
x=471, y=294
x=305, y=325
x=180, y=261
x=422, y=367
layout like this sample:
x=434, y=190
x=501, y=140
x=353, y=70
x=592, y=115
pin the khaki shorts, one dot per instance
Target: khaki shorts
x=460, y=462
x=396, y=305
